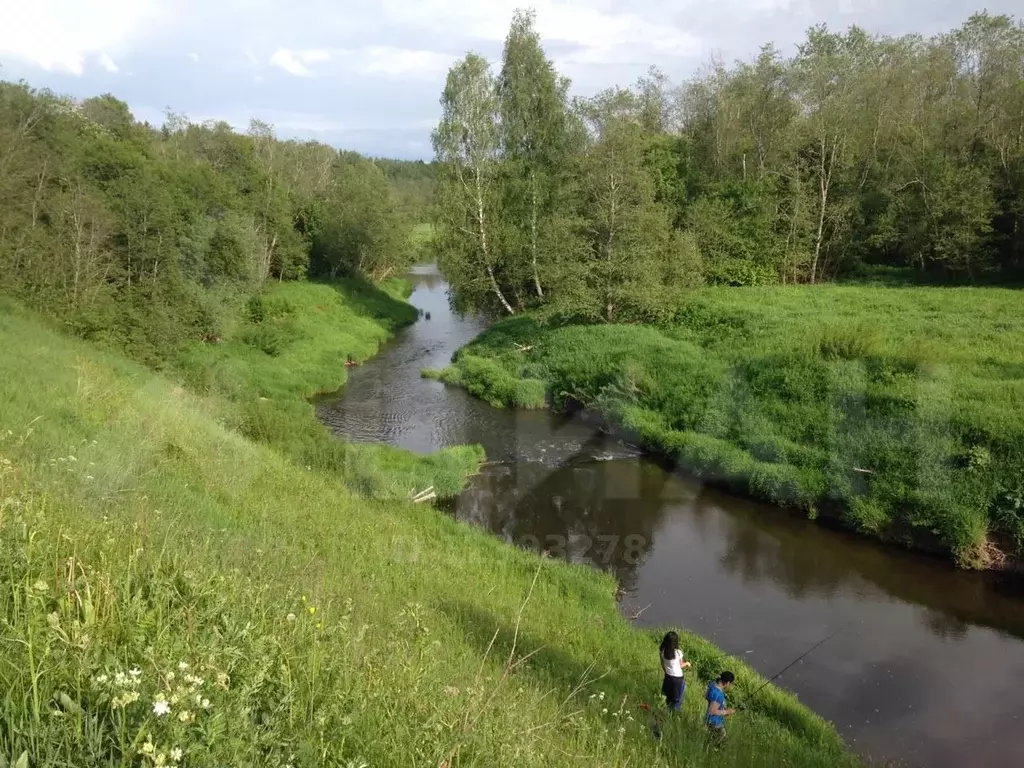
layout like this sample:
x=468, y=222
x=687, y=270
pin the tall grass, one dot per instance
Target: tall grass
x=899, y=410
x=296, y=340
x=171, y=584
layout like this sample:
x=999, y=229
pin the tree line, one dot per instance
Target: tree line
x=860, y=154
x=139, y=235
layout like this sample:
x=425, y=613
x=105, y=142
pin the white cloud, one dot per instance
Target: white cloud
x=400, y=62
x=108, y=63
x=59, y=35
x=390, y=56
x=297, y=62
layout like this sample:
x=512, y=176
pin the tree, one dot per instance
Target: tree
x=466, y=143
x=533, y=107
x=628, y=231
x=823, y=73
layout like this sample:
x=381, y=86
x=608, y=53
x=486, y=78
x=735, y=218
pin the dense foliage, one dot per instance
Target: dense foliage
x=859, y=152
x=896, y=410
x=135, y=235
x=413, y=183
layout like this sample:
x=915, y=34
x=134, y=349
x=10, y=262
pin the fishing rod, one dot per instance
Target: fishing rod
x=788, y=667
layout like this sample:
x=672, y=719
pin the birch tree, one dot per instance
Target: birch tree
x=629, y=233
x=823, y=73
x=466, y=144
x=533, y=106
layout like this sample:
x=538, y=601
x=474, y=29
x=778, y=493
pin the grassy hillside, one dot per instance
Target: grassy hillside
x=172, y=584
x=901, y=411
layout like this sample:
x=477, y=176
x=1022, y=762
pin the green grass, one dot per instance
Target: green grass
x=898, y=410
x=294, y=340
x=141, y=528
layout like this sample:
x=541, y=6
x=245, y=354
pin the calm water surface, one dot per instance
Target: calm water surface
x=928, y=665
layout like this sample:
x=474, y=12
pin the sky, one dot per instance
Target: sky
x=366, y=75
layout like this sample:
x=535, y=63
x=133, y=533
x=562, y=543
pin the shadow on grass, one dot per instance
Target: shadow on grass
x=365, y=297
x=502, y=336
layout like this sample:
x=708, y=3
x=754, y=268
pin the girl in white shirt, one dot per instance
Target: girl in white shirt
x=674, y=686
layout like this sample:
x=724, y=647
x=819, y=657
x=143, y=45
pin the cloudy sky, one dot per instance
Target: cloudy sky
x=366, y=74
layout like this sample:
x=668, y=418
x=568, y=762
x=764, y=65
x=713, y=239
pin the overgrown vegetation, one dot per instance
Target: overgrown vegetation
x=895, y=409
x=859, y=152
x=136, y=237
x=178, y=594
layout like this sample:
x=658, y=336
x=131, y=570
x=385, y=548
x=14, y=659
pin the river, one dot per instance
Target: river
x=927, y=667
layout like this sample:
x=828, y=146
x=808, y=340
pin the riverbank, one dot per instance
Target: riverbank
x=148, y=526
x=894, y=410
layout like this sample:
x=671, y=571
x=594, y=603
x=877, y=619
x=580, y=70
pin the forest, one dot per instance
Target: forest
x=860, y=156
x=144, y=237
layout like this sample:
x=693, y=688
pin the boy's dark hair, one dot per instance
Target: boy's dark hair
x=727, y=677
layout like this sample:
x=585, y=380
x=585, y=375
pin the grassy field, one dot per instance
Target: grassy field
x=172, y=584
x=898, y=410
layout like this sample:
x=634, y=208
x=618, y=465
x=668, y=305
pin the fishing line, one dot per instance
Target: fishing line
x=801, y=657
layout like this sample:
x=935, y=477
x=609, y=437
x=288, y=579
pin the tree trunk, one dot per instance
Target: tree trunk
x=533, y=233
x=613, y=186
x=824, y=181
x=483, y=245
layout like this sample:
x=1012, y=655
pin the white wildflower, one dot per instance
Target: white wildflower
x=135, y=673
x=147, y=748
x=161, y=708
x=184, y=716
x=290, y=617
x=177, y=754
x=199, y=699
x=160, y=759
x=205, y=704
x=102, y=680
x=89, y=477
x=222, y=680
x=601, y=695
x=604, y=711
x=72, y=458
x=41, y=586
x=182, y=666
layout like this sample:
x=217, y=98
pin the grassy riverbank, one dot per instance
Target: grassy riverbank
x=143, y=529
x=295, y=340
x=899, y=410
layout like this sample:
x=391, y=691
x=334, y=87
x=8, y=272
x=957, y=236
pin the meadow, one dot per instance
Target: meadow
x=898, y=411
x=182, y=588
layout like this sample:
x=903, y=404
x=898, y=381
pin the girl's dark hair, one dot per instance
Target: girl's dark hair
x=669, y=645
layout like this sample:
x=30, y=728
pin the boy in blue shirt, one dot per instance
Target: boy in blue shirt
x=717, y=711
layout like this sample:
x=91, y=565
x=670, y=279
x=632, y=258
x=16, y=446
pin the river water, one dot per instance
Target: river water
x=927, y=667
